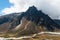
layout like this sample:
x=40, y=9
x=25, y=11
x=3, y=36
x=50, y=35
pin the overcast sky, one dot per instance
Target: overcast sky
x=50, y=7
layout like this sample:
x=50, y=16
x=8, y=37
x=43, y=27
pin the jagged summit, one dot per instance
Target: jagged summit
x=32, y=9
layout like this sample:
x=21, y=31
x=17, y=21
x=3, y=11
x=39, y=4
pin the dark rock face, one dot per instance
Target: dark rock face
x=3, y=20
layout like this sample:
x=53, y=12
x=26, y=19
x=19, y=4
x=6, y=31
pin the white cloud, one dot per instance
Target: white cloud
x=18, y=6
x=50, y=7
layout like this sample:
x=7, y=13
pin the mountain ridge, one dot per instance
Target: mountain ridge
x=31, y=21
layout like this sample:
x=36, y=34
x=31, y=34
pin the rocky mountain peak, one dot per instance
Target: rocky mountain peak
x=32, y=9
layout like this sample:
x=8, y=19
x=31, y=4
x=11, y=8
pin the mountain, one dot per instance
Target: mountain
x=29, y=22
x=57, y=21
x=6, y=21
x=34, y=21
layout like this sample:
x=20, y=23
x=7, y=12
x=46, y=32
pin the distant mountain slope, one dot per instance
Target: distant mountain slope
x=7, y=20
x=57, y=21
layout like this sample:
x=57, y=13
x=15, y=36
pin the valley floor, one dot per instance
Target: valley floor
x=38, y=36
